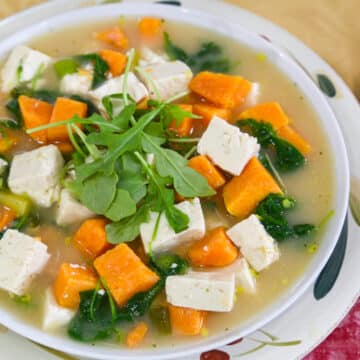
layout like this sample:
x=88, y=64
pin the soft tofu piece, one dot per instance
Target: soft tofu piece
x=21, y=259
x=78, y=83
x=257, y=246
x=70, y=211
x=227, y=146
x=149, y=57
x=135, y=88
x=166, y=238
x=30, y=62
x=54, y=315
x=36, y=173
x=243, y=276
x=171, y=78
x=209, y=291
x=3, y=165
x=253, y=96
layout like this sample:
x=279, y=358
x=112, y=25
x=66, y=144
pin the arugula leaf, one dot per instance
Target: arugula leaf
x=122, y=206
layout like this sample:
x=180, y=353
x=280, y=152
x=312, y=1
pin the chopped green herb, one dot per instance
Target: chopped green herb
x=65, y=67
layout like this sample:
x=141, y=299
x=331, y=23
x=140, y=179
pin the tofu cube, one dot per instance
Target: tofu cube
x=149, y=57
x=70, y=211
x=209, y=291
x=21, y=259
x=227, y=146
x=166, y=238
x=22, y=65
x=54, y=315
x=257, y=246
x=78, y=83
x=253, y=96
x=171, y=78
x=3, y=165
x=135, y=88
x=36, y=173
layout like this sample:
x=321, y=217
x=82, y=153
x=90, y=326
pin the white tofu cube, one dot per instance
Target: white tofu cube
x=78, y=83
x=21, y=259
x=253, y=96
x=170, y=78
x=149, y=57
x=22, y=65
x=166, y=238
x=243, y=276
x=227, y=146
x=3, y=165
x=70, y=211
x=54, y=315
x=135, y=88
x=36, y=173
x=257, y=246
x=202, y=291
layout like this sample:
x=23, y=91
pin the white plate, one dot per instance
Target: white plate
x=309, y=320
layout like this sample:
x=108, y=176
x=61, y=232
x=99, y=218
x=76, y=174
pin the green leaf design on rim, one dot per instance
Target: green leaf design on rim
x=355, y=207
x=326, y=85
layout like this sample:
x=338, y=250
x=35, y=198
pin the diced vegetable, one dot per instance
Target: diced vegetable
x=243, y=193
x=7, y=216
x=116, y=61
x=268, y=112
x=170, y=264
x=35, y=113
x=186, y=321
x=160, y=318
x=203, y=166
x=20, y=204
x=293, y=137
x=207, y=112
x=124, y=273
x=90, y=238
x=135, y=337
x=70, y=282
x=215, y=249
x=226, y=91
x=150, y=26
x=65, y=67
x=6, y=143
x=64, y=109
x=114, y=36
x=184, y=126
x=65, y=147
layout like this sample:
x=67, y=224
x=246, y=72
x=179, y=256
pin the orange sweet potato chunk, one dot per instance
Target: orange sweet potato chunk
x=70, y=281
x=91, y=239
x=65, y=147
x=150, y=26
x=184, y=127
x=243, y=193
x=186, y=321
x=207, y=112
x=215, y=249
x=294, y=138
x=124, y=273
x=114, y=36
x=226, y=91
x=204, y=166
x=64, y=109
x=270, y=112
x=116, y=61
x=35, y=113
x=7, y=216
x=136, y=335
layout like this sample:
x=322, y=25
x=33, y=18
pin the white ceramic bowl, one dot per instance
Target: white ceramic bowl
x=313, y=95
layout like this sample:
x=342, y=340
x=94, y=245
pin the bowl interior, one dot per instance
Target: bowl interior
x=315, y=98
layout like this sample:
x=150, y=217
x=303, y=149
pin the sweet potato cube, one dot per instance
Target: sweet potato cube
x=114, y=36
x=294, y=138
x=183, y=127
x=150, y=26
x=243, y=193
x=65, y=147
x=116, y=61
x=207, y=112
x=70, y=281
x=215, y=249
x=205, y=167
x=91, y=239
x=186, y=321
x=64, y=109
x=136, y=335
x=7, y=216
x=226, y=91
x=270, y=112
x=35, y=113
x=124, y=273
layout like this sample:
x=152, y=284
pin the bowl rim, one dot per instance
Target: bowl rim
x=286, y=65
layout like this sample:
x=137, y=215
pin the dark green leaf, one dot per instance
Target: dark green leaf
x=288, y=157
x=173, y=51
x=122, y=206
x=100, y=67
x=303, y=229
x=160, y=318
x=170, y=264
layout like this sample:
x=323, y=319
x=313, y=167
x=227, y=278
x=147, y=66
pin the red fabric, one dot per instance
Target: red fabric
x=344, y=342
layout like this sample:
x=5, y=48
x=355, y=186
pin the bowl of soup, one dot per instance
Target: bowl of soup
x=170, y=182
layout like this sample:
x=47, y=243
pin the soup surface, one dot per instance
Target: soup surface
x=311, y=184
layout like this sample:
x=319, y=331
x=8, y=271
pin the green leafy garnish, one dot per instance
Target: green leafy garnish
x=160, y=318
x=65, y=67
x=170, y=264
